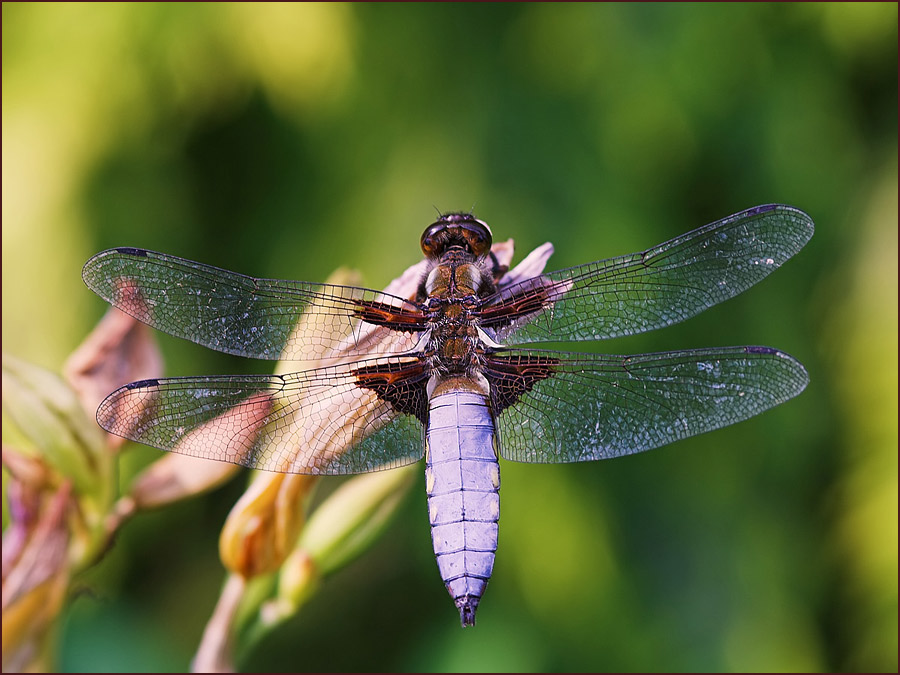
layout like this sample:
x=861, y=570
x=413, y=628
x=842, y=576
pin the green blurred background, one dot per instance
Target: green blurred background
x=288, y=140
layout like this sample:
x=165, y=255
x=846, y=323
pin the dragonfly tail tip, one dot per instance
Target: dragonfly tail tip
x=467, y=606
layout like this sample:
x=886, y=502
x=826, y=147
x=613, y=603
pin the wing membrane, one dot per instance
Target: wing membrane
x=316, y=422
x=579, y=407
x=256, y=318
x=648, y=290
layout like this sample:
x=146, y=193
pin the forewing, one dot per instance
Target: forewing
x=334, y=420
x=256, y=318
x=562, y=407
x=644, y=291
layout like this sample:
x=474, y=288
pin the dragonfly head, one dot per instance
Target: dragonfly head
x=457, y=230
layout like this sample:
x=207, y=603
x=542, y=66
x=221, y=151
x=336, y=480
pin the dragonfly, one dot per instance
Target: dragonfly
x=448, y=372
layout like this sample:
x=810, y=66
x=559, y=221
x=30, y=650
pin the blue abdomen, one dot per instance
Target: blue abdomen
x=463, y=484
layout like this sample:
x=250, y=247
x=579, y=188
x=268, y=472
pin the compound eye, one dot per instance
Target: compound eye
x=478, y=236
x=429, y=241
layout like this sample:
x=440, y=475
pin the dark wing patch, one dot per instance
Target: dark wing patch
x=402, y=384
x=511, y=376
x=390, y=316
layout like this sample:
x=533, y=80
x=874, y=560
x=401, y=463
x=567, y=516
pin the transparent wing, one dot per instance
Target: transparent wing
x=563, y=407
x=648, y=290
x=257, y=318
x=323, y=421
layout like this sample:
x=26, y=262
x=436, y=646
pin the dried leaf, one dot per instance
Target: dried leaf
x=34, y=587
x=119, y=350
x=214, y=655
x=532, y=266
x=263, y=525
x=173, y=477
x=27, y=478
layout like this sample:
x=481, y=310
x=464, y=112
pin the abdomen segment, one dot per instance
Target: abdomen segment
x=463, y=484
